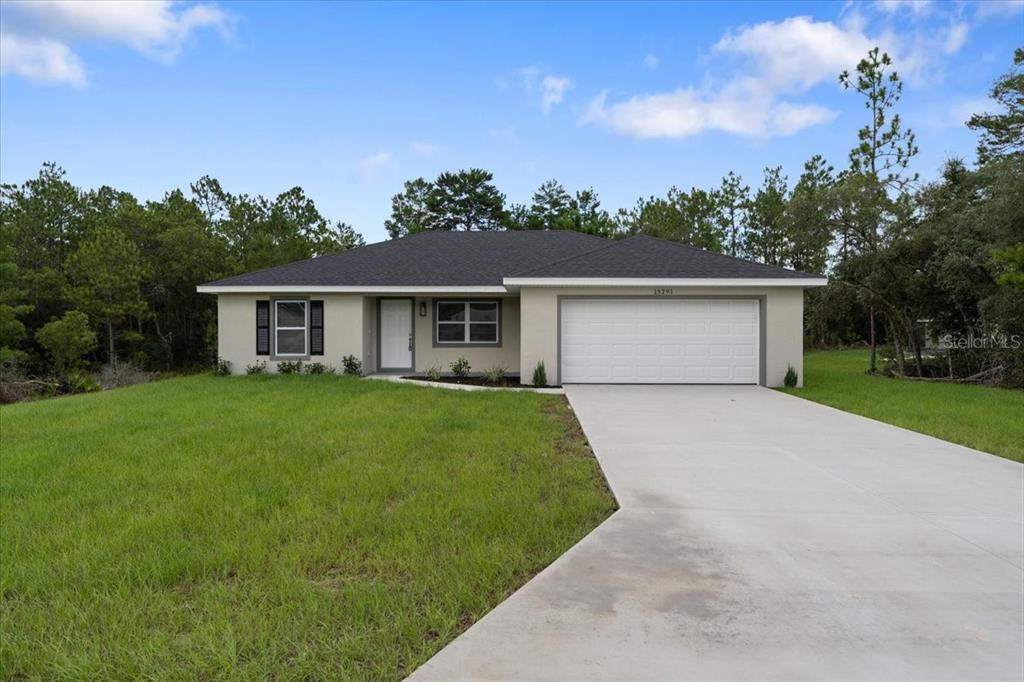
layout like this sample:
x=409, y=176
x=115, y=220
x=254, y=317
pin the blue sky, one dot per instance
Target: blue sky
x=348, y=101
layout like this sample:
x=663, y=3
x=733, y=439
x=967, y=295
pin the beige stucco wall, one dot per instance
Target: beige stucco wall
x=480, y=357
x=350, y=327
x=783, y=324
x=236, y=329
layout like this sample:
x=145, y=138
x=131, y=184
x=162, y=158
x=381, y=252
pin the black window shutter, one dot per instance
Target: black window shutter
x=316, y=327
x=262, y=327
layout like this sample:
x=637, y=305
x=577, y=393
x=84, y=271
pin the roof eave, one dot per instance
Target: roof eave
x=804, y=282
x=346, y=289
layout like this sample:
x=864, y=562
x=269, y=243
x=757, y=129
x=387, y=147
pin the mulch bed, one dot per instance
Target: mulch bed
x=508, y=382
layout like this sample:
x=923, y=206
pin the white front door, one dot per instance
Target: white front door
x=396, y=333
x=660, y=341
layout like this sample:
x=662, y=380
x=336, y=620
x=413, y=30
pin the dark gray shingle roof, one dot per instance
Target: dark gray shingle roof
x=428, y=259
x=642, y=256
x=485, y=258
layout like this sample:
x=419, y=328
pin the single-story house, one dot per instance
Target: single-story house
x=634, y=310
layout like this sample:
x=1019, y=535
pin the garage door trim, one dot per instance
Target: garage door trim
x=762, y=318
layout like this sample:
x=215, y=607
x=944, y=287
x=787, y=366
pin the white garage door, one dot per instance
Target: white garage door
x=660, y=341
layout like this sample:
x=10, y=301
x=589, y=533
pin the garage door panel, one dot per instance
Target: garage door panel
x=660, y=341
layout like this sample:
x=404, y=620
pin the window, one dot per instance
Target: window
x=290, y=327
x=466, y=322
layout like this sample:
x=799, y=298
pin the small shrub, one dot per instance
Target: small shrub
x=352, y=365
x=122, y=373
x=319, y=368
x=79, y=382
x=287, y=367
x=460, y=368
x=258, y=367
x=223, y=368
x=495, y=375
x=434, y=372
x=540, y=375
x=790, y=378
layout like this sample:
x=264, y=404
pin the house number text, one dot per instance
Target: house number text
x=662, y=292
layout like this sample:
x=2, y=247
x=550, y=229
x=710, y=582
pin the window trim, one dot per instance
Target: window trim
x=466, y=343
x=304, y=328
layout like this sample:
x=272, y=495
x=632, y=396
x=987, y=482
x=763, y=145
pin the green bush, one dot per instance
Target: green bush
x=289, y=367
x=258, y=367
x=790, y=378
x=319, y=368
x=460, y=368
x=222, y=369
x=434, y=372
x=67, y=339
x=495, y=375
x=352, y=365
x=540, y=375
x=79, y=382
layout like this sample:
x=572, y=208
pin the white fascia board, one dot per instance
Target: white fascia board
x=321, y=289
x=664, y=282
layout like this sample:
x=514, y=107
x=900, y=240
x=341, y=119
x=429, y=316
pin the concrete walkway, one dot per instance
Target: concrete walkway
x=764, y=537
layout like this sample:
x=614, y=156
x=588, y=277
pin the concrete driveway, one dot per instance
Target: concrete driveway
x=762, y=536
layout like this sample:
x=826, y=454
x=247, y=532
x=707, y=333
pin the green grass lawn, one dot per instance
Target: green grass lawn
x=989, y=419
x=287, y=527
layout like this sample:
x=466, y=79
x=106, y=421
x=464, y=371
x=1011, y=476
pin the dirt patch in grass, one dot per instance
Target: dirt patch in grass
x=572, y=442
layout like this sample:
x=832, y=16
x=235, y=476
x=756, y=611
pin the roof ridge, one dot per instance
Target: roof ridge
x=612, y=242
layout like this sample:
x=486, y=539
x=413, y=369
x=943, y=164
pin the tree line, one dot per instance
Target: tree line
x=98, y=276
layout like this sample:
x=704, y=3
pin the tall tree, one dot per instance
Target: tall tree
x=1002, y=133
x=410, y=209
x=766, y=233
x=589, y=217
x=552, y=207
x=684, y=217
x=43, y=222
x=105, y=276
x=13, y=304
x=808, y=217
x=733, y=204
x=467, y=200
x=881, y=157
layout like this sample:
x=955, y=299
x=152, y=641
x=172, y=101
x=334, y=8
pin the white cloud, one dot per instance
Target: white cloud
x=425, y=149
x=157, y=28
x=686, y=112
x=789, y=118
x=962, y=109
x=773, y=65
x=553, y=89
x=918, y=7
x=42, y=31
x=956, y=37
x=375, y=165
x=41, y=60
x=797, y=53
x=999, y=8
x=651, y=61
x=778, y=60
